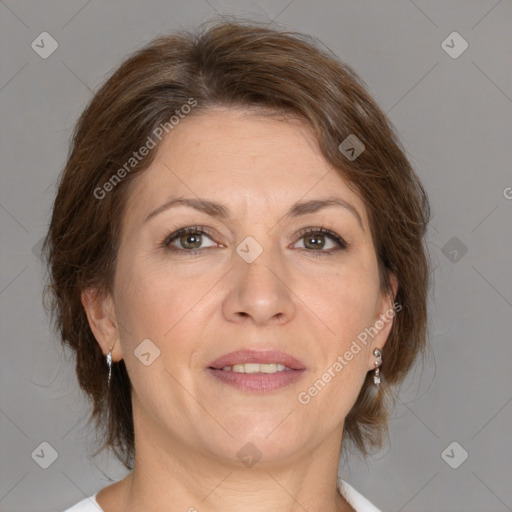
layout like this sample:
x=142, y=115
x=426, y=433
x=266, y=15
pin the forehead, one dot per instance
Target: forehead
x=254, y=163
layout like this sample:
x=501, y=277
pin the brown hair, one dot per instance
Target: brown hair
x=243, y=65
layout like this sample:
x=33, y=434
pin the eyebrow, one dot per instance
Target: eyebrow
x=218, y=210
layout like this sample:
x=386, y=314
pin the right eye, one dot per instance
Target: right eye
x=189, y=239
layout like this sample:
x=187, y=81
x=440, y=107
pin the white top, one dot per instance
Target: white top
x=356, y=501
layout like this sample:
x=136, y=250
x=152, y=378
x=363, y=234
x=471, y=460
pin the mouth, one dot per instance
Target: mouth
x=257, y=371
x=254, y=368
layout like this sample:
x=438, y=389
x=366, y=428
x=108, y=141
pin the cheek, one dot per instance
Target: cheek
x=151, y=303
x=348, y=306
x=159, y=303
x=346, y=301
x=154, y=305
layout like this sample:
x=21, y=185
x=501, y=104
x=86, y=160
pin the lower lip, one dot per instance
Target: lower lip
x=259, y=382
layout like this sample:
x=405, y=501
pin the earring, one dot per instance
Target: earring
x=376, y=378
x=109, y=363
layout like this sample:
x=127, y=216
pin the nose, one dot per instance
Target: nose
x=259, y=292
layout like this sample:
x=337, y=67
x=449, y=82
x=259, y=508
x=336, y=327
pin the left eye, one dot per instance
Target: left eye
x=190, y=240
x=315, y=239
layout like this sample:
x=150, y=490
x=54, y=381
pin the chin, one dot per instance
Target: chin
x=266, y=442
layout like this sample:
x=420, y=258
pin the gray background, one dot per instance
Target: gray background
x=454, y=118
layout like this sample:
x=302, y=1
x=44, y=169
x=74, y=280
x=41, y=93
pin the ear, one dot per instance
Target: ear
x=99, y=308
x=383, y=321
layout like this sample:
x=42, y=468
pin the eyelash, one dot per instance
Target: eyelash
x=201, y=230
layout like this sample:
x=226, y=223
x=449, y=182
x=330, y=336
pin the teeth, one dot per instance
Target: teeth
x=256, y=368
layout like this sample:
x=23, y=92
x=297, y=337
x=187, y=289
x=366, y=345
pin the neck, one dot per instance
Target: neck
x=169, y=476
x=233, y=490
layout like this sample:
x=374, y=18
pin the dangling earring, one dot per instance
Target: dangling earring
x=376, y=378
x=109, y=363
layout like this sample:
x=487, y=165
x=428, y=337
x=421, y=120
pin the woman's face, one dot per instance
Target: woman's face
x=245, y=285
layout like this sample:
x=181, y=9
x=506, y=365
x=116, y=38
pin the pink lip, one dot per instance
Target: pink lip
x=257, y=356
x=259, y=382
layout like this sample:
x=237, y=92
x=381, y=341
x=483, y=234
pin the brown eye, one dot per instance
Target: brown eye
x=189, y=239
x=321, y=241
x=314, y=241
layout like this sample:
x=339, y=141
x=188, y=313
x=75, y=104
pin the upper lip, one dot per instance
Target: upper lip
x=257, y=356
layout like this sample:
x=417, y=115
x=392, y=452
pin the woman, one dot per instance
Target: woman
x=236, y=257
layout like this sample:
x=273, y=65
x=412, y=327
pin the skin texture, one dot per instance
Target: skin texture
x=189, y=426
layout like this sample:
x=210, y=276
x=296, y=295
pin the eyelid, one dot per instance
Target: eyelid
x=203, y=230
x=338, y=239
x=341, y=243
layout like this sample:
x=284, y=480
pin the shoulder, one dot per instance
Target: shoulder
x=355, y=499
x=88, y=505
